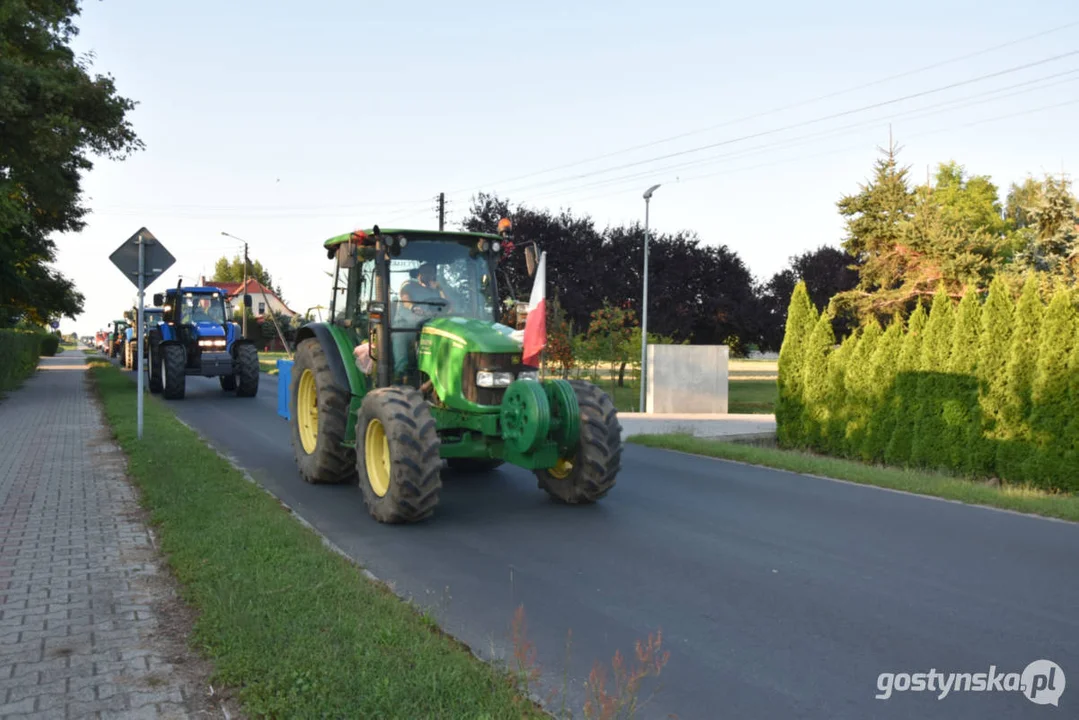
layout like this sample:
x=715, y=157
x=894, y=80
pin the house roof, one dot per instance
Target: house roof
x=254, y=288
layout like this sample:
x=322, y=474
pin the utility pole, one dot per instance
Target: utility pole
x=441, y=211
x=243, y=302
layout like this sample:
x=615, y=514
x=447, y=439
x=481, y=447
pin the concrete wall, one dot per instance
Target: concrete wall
x=687, y=379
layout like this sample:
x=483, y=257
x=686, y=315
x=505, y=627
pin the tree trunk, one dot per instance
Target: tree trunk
x=622, y=374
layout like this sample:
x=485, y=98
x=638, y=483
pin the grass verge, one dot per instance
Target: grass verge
x=294, y=627
x=1009, y=497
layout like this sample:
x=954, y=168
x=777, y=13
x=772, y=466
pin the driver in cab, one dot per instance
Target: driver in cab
x=201, y=312
x=421, y=296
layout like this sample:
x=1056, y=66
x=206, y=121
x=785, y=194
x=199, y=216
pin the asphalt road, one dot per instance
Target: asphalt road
x=779, y=596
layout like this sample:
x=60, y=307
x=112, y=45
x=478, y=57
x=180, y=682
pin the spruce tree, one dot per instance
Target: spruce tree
x=997, y=326
x=904, y=391
x=1051, y=404
x=882, y=370
x=1022, y=360
x=933, y=387
x=801, y=319
x=962, y=418
x=815, y=382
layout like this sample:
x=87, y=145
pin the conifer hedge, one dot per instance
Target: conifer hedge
x=19, y=354
x=985, y=387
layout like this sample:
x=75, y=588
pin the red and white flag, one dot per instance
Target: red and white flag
x=536, y=323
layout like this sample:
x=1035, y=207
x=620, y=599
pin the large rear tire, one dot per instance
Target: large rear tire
x=247, y=370
x=318, y=412
x=132, y=354
x=397, y=455
x=174, y=371
x=591, y=472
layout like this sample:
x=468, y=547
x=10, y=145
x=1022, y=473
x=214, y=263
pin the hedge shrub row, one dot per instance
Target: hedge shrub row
x=985, y=387
x=50, y=343
x=19, y=354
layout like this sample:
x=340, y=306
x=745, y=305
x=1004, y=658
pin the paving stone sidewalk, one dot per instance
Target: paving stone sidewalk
x=80, y=620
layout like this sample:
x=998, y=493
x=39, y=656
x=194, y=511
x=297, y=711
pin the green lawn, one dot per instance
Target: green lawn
x=751, y=387
x=268, y=361
x=744, y=396
x=294, y=627
x=1022, y=499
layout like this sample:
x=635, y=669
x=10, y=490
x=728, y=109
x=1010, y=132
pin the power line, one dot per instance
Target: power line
x=916, y=112
x=783, y=108
x=814, y=121
x=829, y=152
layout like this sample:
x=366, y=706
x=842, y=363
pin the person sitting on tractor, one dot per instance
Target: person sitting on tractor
x=203, y=312
x=420, y=298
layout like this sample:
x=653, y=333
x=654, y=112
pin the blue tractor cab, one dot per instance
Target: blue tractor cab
x=195, y=335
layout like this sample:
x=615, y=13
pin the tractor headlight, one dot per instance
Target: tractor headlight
x=489, y=379
x=528, y=375
x=212, y=343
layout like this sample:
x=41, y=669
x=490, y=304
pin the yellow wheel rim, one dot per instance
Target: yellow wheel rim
x=307, y=411
x=377, y=456
x=561, y=470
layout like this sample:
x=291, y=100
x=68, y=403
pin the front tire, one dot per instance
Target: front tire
x=132, y=354
x=247, y=370
x=397, y=455
x=174, y=370
x=591, y=472
x=318, y=412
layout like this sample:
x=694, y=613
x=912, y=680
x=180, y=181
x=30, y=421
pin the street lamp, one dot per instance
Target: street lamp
x=644, y=302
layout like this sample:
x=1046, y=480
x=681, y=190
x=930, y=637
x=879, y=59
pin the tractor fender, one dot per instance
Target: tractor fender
x=337, y=346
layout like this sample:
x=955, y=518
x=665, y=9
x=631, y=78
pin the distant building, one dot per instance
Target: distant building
x=263, y=299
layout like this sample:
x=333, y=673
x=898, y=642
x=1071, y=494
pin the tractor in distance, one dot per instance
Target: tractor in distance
x=194, y=335
x=116, y=337
x=131, y=341
x=413, y=368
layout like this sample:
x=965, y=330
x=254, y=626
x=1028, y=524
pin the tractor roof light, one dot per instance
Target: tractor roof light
x=504, y=226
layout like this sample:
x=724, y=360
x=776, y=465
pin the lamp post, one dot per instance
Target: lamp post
x=644, y=301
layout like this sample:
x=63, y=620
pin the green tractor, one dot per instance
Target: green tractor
x=413, y=369
x=116, y=337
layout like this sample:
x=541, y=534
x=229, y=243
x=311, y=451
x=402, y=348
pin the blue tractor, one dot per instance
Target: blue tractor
x=195, y=336
x=131, y=338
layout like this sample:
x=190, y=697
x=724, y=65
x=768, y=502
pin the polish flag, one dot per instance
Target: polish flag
x=535, y=338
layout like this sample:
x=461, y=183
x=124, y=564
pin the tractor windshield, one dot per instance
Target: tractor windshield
x=202, y=309
x=437, y=277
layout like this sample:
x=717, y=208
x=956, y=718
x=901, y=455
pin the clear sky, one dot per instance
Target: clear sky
x=287, y=123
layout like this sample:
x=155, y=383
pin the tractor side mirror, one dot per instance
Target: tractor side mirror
x=159, y=299
x=247, y=300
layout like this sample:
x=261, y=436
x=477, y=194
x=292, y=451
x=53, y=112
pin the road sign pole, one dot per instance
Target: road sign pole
x=139, y=325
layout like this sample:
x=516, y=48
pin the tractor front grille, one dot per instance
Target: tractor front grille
x=498, y=362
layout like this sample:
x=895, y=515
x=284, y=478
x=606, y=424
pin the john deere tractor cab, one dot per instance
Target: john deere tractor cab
x=195, y=336
x=131, y=336
x=413, y=369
